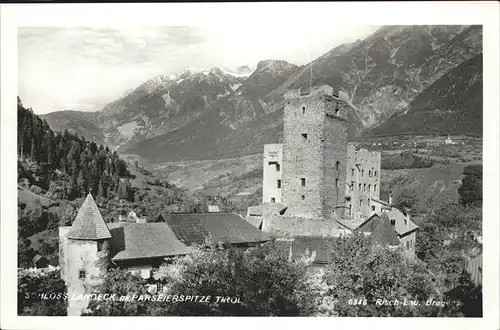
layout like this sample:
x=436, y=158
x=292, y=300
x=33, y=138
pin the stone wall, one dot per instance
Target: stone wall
x=272, y=169
x=290, y=226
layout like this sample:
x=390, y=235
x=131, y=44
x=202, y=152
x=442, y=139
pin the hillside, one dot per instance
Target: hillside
x=79, y=122
x=452, y=104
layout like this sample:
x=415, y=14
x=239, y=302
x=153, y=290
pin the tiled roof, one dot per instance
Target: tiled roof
x=88, y=224
x=401, y=227
x=194, y=228
x=369, y=224
x=144, y=240
x=384, y=232
x=254, y=220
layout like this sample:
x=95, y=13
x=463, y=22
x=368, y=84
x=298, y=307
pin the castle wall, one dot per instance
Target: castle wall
x=83, y=255
x=290, y=226
x=272, y=169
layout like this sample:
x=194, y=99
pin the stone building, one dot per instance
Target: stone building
x=362, y=182
x=89, y=247
x=314, y=152
x=315, y=184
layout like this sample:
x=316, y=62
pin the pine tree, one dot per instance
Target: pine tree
x=100, y=191
x=82, y=184
x=33, y=150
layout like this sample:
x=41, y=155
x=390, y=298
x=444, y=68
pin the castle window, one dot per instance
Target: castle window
x=353, y=185
x=337, y=165
x=82, y=274
x=359, y=187
x=336, y=183
x=337, y=108
x=277, y=167
x=375, y=173
x=279, y=183
x=370, y=174
x=364, y=187
x=362, y=172
x=393, y=222
x=303, y=110
x=273, y=200
x=304, y=135
x=374, y=188
x=369, y=187
x=352, y=172
x=360, y=203
x=303, y=197
x=303, y=182
x=373, y=207
x=99, y=246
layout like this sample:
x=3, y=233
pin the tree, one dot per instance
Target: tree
x=24, y=252
x=41, y=293
x=471, y=190
x=264, y=281
x=372, y=274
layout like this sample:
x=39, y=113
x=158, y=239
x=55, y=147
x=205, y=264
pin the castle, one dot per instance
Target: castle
x=316, y=184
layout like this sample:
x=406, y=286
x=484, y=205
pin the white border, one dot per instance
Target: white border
x=233, y=15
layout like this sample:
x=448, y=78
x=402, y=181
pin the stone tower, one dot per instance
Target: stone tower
x=84, y=252
x=314, y=152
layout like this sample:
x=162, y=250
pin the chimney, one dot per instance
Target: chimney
x=390, y=198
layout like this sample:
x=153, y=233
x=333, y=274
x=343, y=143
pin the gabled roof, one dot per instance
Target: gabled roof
x=144, y=240
x=89, y=224
x=402, y=227
x=194, y=228
x=384, y=232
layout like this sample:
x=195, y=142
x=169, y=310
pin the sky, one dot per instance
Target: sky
x=86, y=68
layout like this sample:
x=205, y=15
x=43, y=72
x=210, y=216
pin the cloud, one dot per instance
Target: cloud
x=85, y=68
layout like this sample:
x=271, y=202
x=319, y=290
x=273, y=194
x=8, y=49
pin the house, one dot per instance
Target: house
x=89, y=247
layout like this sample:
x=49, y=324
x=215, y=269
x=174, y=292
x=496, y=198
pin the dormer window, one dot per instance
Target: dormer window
x=82, y=274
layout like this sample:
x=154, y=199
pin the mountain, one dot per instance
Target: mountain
x=453, y=104
x=81, y=122
x=383, y=74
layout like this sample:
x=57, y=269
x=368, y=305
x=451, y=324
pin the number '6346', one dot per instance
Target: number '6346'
x=357, y=302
